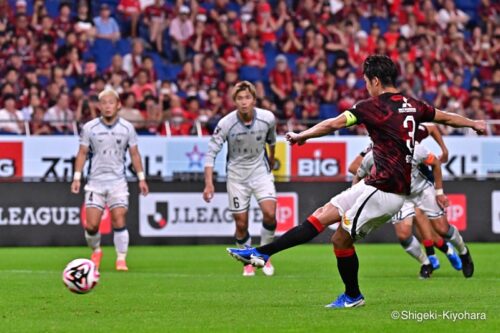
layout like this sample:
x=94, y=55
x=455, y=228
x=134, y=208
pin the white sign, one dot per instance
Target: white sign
x=495, y=212
x=186, y=214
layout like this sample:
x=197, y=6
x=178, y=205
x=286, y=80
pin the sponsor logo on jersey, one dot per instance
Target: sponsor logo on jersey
x=407, y=107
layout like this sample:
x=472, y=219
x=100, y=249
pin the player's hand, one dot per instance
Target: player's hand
x=294, y=138
x=208, y=192
x=143, y=187
x=75, y=186
x=479, y=127
x=442, y=201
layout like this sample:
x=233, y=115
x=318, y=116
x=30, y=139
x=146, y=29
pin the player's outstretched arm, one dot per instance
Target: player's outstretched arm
x=435, y=163
x=455, y=120
x=321, y=129
x=436, y=135
x=81, y=156
x=135, y=156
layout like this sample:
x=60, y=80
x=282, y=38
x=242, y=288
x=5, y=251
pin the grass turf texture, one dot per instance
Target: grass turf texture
x=200, y=288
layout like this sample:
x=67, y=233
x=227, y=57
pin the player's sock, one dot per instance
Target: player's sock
x=267, y=233
x=456, y=239
x=121, y=239
x=93, y=240
x=429, y=247
x=412, y=247
x=442, y=246
x=300, y=234
x=348, y=264
x=245, y=241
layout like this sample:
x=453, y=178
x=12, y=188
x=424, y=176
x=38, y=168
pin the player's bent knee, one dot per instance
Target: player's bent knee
x=341, y=239
x=440, y=226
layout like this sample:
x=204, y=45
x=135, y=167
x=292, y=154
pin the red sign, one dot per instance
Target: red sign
x=286, y=212
x=11, y=159
x=456, y=212
x=319, y=159
x=105, y=226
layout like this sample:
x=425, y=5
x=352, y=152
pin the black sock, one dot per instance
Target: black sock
x=298, y=235
x=348, y=264
x=441, y=245
x=429, y=247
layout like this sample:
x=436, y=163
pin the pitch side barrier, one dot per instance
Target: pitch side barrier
x=45, y=213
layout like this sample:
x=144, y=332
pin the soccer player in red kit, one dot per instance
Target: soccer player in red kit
x=391, y=120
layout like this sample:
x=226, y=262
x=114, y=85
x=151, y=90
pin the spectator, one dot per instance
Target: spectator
x=63, y=23
x=449, y=14
x=38, y=126
x=309, y=101
x=290, y=42
x=83, y=22
x=266, y=22
x=130, y=112
x=142, y=84
x=281, y=80
x=131, y=9
x=157, y=19
x=74, y=67
x=181, y=30
x=106, y=26
x=253, y=55
x=11, y=119
x=60, y=117
x=187, y=76
x=132, y=62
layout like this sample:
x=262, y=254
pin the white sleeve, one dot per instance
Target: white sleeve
x=132, y=136
x=366, y=165
x=420, y=153
x=85, y=137
x=215, y=144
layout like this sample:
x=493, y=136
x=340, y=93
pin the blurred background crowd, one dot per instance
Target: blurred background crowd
x=173, y=62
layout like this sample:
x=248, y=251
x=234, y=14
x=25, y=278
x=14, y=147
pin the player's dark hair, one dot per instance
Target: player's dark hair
x=381, y=67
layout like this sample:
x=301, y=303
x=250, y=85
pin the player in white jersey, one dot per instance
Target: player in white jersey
x=247, y=130
x=431, y=201
x=106, y=140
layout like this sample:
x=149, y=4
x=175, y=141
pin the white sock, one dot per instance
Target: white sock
x=456, y=239
x=412, y=247
x=266, y=236
x=120, y=239
x=246, y=241
x=93, y=241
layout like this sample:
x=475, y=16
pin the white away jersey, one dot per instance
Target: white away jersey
x=418, y=181
x=246, y=143
x=107, y=148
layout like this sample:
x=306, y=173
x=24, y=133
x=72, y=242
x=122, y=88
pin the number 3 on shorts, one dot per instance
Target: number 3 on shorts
x=236, y=202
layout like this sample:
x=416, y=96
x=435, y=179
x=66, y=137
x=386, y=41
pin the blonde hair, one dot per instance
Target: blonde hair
x=242, y=86
x=109, y=91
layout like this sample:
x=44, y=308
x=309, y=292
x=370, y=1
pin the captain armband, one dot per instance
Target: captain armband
x=351, y=118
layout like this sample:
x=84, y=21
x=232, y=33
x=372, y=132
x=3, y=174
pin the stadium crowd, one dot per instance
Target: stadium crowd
x=174, y=62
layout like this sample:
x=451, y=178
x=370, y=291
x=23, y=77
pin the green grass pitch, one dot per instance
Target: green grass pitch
x=200, y=289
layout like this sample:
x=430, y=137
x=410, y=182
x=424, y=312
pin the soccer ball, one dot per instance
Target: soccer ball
x=80, y=276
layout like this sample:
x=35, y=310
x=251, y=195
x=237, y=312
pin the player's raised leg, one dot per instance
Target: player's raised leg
x=451, y=234
x=412, y=246
x=120, y=237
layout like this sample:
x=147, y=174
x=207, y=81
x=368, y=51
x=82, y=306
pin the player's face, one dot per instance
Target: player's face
x=109, y=106
x=244, y=102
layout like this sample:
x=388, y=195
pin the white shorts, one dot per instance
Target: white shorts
x=112, y=194
x=364, y=208
x=240, y=193
x=425, y=200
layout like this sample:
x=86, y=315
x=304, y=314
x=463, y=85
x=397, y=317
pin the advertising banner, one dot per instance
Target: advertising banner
x=186, y=214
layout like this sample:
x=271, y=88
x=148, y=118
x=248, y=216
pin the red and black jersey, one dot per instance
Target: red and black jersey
x=392, y=120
